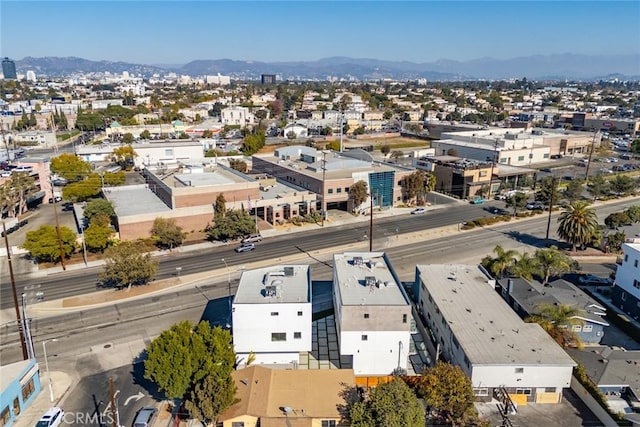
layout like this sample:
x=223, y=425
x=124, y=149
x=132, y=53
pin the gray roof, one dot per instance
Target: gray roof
x=530, y=294
x=353, y=270
x=202, y=179
x=488, y=330
x=609, y=367
x=288, y=283
x=134, y=200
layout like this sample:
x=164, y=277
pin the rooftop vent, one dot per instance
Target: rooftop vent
x=357, y=260
x=370, y=281
x=288, y=271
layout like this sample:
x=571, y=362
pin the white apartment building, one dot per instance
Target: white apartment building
x=626, y=290
x=239, y=116
x=272, y=314
x=476, y=330
x=372, y=312
x=156, y=153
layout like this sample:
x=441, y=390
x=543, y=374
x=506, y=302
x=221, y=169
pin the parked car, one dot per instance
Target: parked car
x=51, y=418
x=556, y=156
x=501, y=197
x=252, y=238
x=245, y=247
x=144, y=416
x=418, y=211
x=591, y=279
x=535, y=206
x=477, y=200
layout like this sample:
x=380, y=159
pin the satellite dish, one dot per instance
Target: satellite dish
x=287, y=409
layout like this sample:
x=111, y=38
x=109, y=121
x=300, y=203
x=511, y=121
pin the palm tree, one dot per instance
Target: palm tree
x=557, y=321
x=524, y=267
x=578, y=224
x=551, y=262
x=504, y=260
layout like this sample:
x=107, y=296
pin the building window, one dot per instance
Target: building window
x=329, y=423
x=519, y=370
x=577, y=328
x=278, y=336
x=4, y=416
x=526, y=391
x=366, y=315
x=16, y=406
x=636, y=283
x=339, y=189
x=330, y=191
x=297, y=335
x=168, y=152
x=626, y=258
x=515, y=306
x=549, y=389
x=481, y=391
x=545, y=156
x=364, y=337
x=346, y=189
x=623, y=297
x=587, y=328
x=635, y=263
x=237, y=424
x=520, y=158
x=404, y=318
x=275, y=313
x=27, y=390
x=299, y=313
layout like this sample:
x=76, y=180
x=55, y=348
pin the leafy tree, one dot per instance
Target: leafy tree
x=114, y=179
x=99, y=207
x=396, y=155
x=124, y=155
x=598, y=186
x=82, y=190
x=617, y=219
x=126, y=265
x=239, y=165
x=615, y=241
x=573, y=190
x=449, y=391
x=524, y=267
x=385, y=149
x=145, y=134
x=235, y=224
x=167, y=233
x=551, y=262
x=97, y=237
x=517, y=201
x=220, y=208
x=452, y=152
x=578, y=224
x=332, y=145
x=253, y=143
x=358, y=193
x=557, y=321
x=622, y=184
x=127, y=138
x=291, y=135
x=70, y=167
x=635, y=146
x=633, y=212
x=14, y=193
x=504, y=260
x=183, y=356
x=42, y=243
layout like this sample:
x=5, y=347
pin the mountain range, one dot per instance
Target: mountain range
x=539, y=67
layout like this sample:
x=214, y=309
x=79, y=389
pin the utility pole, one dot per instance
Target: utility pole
x=341, y=128
x=371, y=224
x=324, y=170
x=25, y=354
x=553, y=192
x=593, y=142
x=55, y=210
x=114, y=409
x=493, y=165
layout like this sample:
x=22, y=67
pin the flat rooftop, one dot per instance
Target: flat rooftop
x=200, y=176
x=275, y=285
x=134, y=200
x=366, y=278
x=488, y=330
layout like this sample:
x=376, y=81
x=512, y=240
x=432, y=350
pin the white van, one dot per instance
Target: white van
x=22, y=169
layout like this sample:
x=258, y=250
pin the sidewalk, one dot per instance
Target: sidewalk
x=60, y=384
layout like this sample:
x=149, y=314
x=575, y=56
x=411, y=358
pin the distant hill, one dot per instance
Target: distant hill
x=538, y=67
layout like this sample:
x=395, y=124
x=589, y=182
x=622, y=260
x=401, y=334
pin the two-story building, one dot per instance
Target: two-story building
x=626, y=290
x=272, y=314
x=372, y=313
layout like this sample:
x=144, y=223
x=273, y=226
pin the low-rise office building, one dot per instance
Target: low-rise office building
x=474, y=329
x=272, y=314
x=20, y=384
x=372, y=312
x=626, y=290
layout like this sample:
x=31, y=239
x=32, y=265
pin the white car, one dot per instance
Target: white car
x=51, y=418
x=418, y=211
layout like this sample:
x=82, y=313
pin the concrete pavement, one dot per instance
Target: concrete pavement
x=61, y=383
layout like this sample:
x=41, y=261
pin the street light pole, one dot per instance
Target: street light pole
x=46, y=363
x=84, y=245
x=25, y=354
x=228, y=286
x=27, y=330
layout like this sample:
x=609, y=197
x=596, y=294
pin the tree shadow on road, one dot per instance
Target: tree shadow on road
x=137, y=374
x=530, y=239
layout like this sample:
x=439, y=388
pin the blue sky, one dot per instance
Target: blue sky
x=167, y=32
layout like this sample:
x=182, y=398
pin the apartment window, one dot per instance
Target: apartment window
x=299, y=313
x=366, y=315
x=503, y=160
x=297, y=335
x=626, y=258
x=16, y=406
x=346, y=189
x=519, y=370
x=404, y=318
x=623, y=297
x=481, y=391
x=275, y=313
x=339, y=189
x=483, y=173
x=635, y=263
x=278, y=336
x=330, y=191
x=515, y=306
x=545, y=156
x=526, y=391
x=365, y=338
x=520, y=158
x=168, y=152
x=27, y=390
x=237, y=424
x=636, y=283
x=577, y=328
x=4, y=416
x=329, y=423
x=549, y=389
x=587, y=328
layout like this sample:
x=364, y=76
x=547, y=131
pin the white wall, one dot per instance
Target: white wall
x=627, y=272
x=532, y=376
x=253, y=325
x=171, y=154
x=378, y=355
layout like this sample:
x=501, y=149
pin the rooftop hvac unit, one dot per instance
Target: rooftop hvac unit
x=288, y=271
x=357, y=260
x=370, y=280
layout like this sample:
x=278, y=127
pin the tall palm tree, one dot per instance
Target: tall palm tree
x=524, y=267
x=557, y=321
x=551, y=262
x=503, y=261
x=578, y=224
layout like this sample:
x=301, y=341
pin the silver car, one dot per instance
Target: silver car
x=144, y=416
x=245, y=247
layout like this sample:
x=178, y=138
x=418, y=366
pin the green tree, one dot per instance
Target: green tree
x=220, y=208
x=332, y=145
x=446, y=389
x=385, y=149
x=42, y=243
x=574, y=189
x=524, y=267
x=358, y=193
x=452, y=152
x=124, y=156
x=235, y=224
x=548, y=186
x=126, y=265
x=617, y=219
x=253, y=143
x=635, y=146
x=239, y=165
x=98, y=236
x=622, y=184
x=15, y=192
x=633, y=212
x=207, y=134
x=598, y=186
x=114, y=179
x=504, y=260
x=396, y=155
x=82, y=190
x=417, y=185
x=127, y=138
x=145, y=134
x=183, y=356
x=70, y=167
x=551, y=263
x=167, y=233
x=99, y=207
x=517, y=201
x=615, y=241
x=577, y=224
x=557, y=321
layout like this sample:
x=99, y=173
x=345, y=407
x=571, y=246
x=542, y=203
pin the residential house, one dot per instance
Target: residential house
x=626, y=290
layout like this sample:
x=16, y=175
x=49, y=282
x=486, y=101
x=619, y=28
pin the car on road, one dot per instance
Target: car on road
x=418, y=211
x=252, y=238
x=591, y=279
x=245, y=247
x=144, y=416
x=556, y=156
x=477, y=200
x=532, y=206
x=500, y=197
x=51, y=418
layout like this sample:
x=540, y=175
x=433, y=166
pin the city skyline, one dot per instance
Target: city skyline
x=165, y=32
